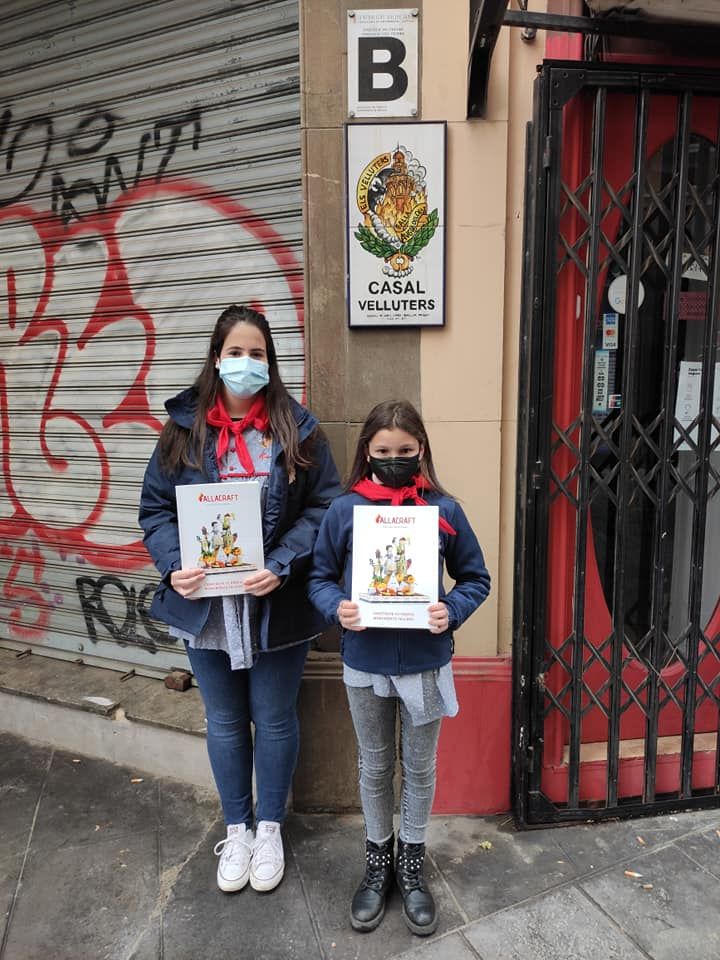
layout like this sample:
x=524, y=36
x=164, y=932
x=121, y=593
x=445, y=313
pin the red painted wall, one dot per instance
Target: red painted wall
x=474, y=750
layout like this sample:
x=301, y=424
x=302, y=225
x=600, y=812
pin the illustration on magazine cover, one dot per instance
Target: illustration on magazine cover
x=219, y=547
x=391, y=578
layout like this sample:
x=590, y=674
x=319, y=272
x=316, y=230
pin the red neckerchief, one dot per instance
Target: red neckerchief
x=397, y=495
x=256, y=417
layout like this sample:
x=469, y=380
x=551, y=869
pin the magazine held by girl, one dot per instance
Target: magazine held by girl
x=394, y=565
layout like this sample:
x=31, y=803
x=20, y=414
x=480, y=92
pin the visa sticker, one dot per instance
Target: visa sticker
x=610, y=331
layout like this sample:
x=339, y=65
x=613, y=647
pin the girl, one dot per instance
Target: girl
x=247, y=652
x=397, y=672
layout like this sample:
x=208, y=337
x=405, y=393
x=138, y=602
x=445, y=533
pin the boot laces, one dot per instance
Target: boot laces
x=410, y=865
x=376, y=867
x=374, y=875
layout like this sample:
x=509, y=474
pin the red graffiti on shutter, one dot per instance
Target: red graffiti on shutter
x=26, y=602
x=51, y=420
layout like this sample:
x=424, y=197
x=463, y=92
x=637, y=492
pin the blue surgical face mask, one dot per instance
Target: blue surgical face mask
x=244, y=376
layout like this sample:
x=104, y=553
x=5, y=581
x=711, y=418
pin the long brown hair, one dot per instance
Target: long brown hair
x=181, y=447
x=388, y=415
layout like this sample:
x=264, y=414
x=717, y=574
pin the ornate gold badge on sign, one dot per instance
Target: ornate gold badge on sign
x=392, y=197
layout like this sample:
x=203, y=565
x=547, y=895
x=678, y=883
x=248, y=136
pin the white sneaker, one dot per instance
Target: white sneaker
x=268, y=860
x=235, y=853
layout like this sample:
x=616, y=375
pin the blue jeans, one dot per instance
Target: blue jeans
x=265, y=695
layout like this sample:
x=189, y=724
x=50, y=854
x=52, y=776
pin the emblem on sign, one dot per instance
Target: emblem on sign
x=391, y=195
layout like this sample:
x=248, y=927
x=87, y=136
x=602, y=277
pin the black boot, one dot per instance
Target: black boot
x=368, y=904
x=419, y=911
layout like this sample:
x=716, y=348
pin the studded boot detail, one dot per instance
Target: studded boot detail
x=419, y=911
x=368, y=904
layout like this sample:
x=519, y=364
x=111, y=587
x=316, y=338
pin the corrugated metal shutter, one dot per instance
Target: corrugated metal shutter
x=149, y=176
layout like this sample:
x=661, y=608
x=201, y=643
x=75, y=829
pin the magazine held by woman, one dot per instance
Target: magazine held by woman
x=221, y=533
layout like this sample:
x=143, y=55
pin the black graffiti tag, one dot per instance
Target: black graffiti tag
x=22, y=140
x=33, y=146
x=93, y=594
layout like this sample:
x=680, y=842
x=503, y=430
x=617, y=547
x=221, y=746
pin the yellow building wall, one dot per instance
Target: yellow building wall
x=468, y=369
x=463, y=376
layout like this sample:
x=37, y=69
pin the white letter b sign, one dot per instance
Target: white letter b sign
x=382, y=63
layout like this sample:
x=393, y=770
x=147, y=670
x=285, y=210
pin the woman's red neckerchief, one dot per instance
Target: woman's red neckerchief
x=217, y=416
x=397, y=495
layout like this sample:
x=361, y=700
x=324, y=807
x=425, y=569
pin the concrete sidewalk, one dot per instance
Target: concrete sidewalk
x=98, y=862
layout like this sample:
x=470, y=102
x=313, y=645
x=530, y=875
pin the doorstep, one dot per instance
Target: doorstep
x=95, y=711
x=102, y=691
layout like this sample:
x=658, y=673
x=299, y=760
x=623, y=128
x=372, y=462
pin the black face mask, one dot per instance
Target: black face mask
x=395, y=471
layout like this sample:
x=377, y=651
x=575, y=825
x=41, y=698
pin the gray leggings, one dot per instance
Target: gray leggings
x=374, y=719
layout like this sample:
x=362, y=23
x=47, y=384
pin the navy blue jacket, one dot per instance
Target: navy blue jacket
x=394, y=652
x=291, y=519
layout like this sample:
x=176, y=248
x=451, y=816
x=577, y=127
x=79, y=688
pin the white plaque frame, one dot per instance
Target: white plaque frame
x=395, y=224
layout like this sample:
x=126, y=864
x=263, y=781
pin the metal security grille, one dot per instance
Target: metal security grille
x=150, y=175
x=617, y=615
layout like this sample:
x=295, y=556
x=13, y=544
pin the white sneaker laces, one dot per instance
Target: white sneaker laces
x=268, y=847
x=234, y=848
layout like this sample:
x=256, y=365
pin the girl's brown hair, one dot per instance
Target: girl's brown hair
x=389, y=415
x=181, y=447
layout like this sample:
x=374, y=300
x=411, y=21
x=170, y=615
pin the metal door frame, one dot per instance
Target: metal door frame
x=555, y=87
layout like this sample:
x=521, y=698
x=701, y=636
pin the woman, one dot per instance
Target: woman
x=247, y=652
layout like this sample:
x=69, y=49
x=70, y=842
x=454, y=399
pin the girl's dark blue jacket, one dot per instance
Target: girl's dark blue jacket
x=394, y=652
x=291, y=520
